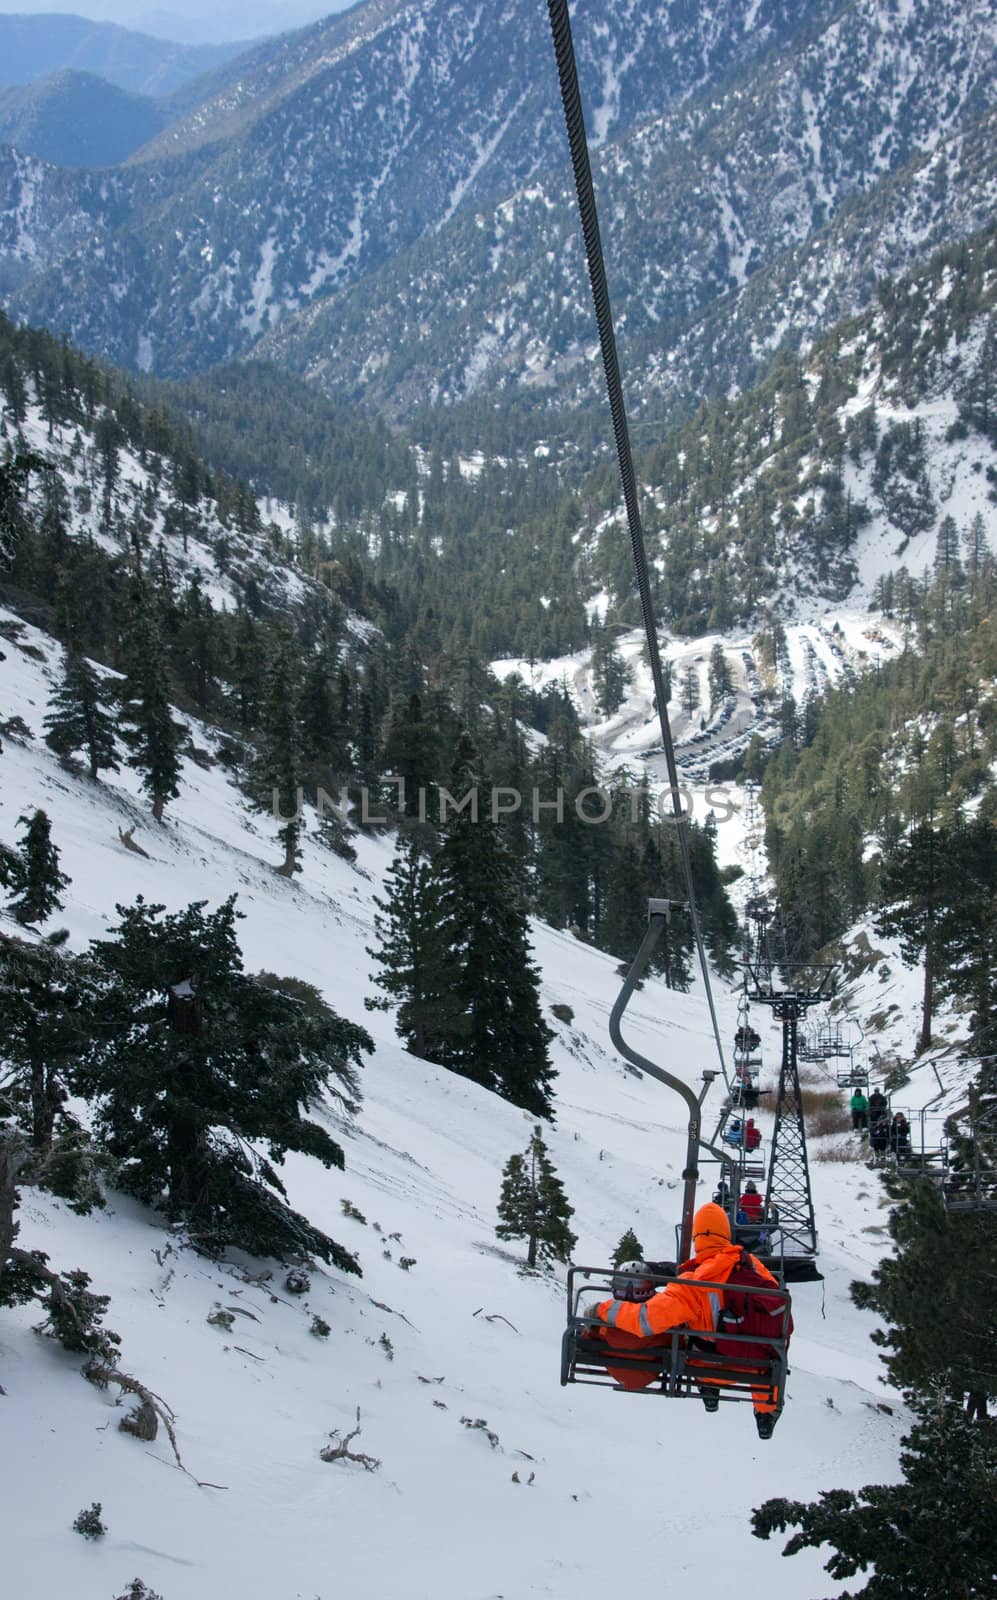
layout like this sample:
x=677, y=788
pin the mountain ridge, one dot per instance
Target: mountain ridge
x=34, y=47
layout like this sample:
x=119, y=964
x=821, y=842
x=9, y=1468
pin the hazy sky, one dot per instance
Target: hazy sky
x=189, y=21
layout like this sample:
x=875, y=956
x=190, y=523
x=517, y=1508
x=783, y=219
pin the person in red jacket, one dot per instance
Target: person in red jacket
x=684, y=1303
x=750, y=1204
x=752, y=1135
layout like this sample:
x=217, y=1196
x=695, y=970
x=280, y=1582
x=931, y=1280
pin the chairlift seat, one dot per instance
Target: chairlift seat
x=853, y=1078
x=682, y=1359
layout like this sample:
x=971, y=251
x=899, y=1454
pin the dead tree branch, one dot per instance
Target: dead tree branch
x=495, y=1316
x=340, y=1450
x=144, y=1418
x=126, y=835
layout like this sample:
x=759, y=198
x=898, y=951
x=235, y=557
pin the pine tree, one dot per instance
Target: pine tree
x=494, y=1032
x=720, y=681
x=689, y=690
x=611, y=676
x=197, y=1068
x=533, y=1205
x=46, y=1003
x=414, y=974
x=247, y=672
x=278, y=768
x=150, y=732
x=977, y=550
x=939, y=1328
x=939, y=1343
x=967, y=925
x=412, y=753
x=913, y=888
x=324, y=753
x=947, y=546
x=78, y=720
x=197, y=644
x=37, y=879
x=628, y=1249
x=929, y=1537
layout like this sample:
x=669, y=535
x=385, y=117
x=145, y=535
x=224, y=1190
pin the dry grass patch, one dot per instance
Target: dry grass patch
x=849, y=1153
x=823, y=1112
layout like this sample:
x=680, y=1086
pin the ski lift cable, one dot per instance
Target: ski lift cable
x=567, y=72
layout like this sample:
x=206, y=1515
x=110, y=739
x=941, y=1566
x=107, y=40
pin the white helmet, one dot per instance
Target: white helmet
x=631, y=1281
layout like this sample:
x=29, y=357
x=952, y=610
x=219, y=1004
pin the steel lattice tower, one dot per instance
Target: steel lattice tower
x=788, y=1186
x=790, y=989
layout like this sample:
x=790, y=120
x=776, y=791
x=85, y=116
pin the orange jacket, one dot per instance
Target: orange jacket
x=682, y=1303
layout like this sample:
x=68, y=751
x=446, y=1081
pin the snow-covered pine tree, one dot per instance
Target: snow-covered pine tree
x=150, y=732
x=628, y=1249
x=200, y=1077
x=78, y=719
x=492, y=1030
x=37, y=880
x=533, y=1205
x=411, y=953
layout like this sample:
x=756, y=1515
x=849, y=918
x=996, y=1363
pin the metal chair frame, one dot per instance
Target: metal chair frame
x=681, y=1359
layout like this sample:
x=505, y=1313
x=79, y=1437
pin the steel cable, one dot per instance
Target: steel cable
x=564, y=50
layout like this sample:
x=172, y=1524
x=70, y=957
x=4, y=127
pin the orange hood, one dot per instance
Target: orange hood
x=710, y=1230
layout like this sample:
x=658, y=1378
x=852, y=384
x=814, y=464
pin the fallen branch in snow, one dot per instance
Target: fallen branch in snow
x=495, y=1316
x=392, y=1313
x=340, y=1450
x=144, y=1421
x=126, y=835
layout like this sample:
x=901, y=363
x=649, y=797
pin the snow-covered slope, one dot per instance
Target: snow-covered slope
x=820, y=652
x=458, y=1335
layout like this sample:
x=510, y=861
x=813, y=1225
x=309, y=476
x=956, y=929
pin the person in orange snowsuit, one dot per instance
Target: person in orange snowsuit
x=684, y=1304
x=632, y=1285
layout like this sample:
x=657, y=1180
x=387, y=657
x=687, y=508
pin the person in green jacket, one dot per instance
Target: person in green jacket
x=860, y=1110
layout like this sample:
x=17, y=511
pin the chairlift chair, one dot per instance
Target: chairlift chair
x=683, y=1361
x=971, y=1185
x=832, y=1044
x=854, y=1076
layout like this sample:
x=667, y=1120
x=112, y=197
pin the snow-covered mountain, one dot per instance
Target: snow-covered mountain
x=783, y=193
x=428, y=135
x=571, y=1476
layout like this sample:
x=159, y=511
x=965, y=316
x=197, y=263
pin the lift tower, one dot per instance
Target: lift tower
x=790, y=989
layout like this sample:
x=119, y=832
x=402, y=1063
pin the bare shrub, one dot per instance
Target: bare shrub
x=839, y=1152
x=823, y=1112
